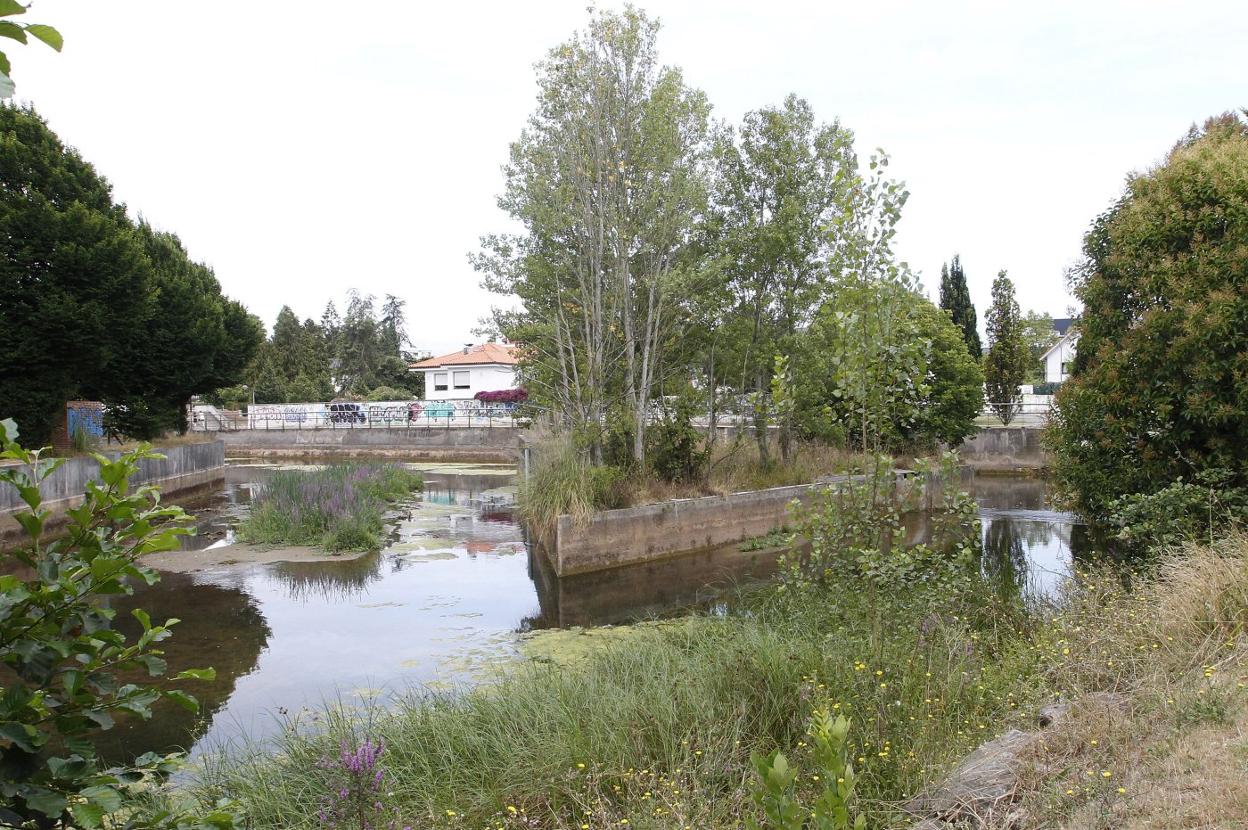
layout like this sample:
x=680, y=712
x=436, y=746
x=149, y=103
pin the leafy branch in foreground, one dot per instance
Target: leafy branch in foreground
x=66, y=666
x=776, y=792
x=20, y=33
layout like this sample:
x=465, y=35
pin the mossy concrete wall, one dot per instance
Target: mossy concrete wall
x=184, y=469
x=1005, y=448
x=614, y=538
x=481, y=444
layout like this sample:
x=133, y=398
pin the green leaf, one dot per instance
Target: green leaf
x=7, y=8
x=184, y=700
x=47, y=34
x=88, y=815
x=5, y=68
x=105, y=797
x=23, y=736
x=13, y=31
x=51, y=804
x=196, y=674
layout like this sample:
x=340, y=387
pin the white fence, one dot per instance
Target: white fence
x=365, y=415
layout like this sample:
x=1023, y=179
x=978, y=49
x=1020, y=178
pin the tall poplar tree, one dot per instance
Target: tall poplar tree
x=1006, y=366
x=955, y=298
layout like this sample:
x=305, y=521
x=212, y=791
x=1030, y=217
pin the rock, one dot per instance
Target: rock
x=982, y=782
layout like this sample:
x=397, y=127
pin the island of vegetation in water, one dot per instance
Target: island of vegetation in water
x=340, y=507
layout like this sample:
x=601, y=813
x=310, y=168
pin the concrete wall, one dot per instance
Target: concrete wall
x=184, y=469
x=613, y=538
x=484, y=444
x=1005, y=448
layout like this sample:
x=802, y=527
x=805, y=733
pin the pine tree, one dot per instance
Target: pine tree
x=955, y=298
x=1006, y=365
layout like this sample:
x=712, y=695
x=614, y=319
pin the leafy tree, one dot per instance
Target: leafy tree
x=71, y=265
x=1006, y=364
x=392, y=325
x=64, y=660
x=1159, y=392
x=19, y=32
x=927, y=387
x=1038, y=335
x=955, y=298
x=608, y=182
x=782, y=180
x=98, y=307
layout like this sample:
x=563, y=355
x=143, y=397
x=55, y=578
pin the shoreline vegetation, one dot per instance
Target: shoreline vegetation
x=654, y=727
x=339, y=507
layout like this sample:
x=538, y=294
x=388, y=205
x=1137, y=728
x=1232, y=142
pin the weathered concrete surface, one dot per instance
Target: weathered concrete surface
x=185, y=469
x=613, y=538
x=481, y=444
x=1005, y=448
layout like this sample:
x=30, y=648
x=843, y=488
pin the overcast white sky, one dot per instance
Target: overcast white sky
x=304, y=147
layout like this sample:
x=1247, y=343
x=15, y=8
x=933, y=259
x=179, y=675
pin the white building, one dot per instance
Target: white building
x=488, y=367
x=1060, y=356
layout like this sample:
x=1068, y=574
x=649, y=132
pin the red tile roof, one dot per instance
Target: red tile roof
x=500, y=353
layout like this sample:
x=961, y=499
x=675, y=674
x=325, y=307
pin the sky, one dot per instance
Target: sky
x=302, y=148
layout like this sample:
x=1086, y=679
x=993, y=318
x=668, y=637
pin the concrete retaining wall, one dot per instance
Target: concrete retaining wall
x=613, y=538
x=184, y=469
x=1008, y=448
x=483, y=444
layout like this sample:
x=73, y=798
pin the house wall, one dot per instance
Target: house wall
x=489, y=378
x=1063, y=352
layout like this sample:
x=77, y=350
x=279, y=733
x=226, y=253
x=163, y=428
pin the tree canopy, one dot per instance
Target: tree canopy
x=955, y=298
x=97, y=306
x=1005, y=367
x=1159, y=391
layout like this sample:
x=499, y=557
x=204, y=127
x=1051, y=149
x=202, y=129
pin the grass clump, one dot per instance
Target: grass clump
x=338, y=507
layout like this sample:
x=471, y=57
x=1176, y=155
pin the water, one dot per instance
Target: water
x=450, y=597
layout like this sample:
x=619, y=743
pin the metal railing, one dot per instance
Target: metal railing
x=428, y=414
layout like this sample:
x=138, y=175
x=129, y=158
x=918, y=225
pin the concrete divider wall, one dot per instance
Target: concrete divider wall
x=1006, y=447
x=184, y=468
x=500, y=444
x=630, y=535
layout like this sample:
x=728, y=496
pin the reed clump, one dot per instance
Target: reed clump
x=339, y=507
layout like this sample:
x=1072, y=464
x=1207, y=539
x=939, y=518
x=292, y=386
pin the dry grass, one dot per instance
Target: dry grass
x=1170, y=748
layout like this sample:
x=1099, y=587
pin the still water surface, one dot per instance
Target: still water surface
x=452, y=594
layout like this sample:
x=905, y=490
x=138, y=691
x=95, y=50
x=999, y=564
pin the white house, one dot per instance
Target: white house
x=487, y=367
x=1061, y=355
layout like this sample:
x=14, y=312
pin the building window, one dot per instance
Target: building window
x=439, y=382
x=462, y=380
x=1065, y=368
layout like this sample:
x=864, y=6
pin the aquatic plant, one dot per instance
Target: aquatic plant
x=338, y=507
x=356, y=789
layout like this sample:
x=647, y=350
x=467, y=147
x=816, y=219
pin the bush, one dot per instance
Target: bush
x=503, y=396
x=63, y=657
x=675, y=446
x=389, y=393
x=1159, y=390
x=563, y=482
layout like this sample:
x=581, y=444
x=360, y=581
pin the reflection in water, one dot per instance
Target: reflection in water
x=445, y=600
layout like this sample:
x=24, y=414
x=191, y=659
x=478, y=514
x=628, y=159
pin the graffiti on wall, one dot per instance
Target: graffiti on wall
x=380, y=414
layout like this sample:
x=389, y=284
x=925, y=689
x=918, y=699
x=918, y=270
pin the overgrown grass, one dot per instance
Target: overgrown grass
x=656, y=730
x=1156, y=678
x=338, y=507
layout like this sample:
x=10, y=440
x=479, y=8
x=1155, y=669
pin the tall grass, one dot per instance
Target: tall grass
x=656, y=730
x=338, y=507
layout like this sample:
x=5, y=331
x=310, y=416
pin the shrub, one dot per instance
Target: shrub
x=63, y=656
x=503, y=396
x=563, y=482
x=1159, y=390
x=389, y=393
x=675, y=446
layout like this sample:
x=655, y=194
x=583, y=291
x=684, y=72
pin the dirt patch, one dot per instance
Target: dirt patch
x=188, y=561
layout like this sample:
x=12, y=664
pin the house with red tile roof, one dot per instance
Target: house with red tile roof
x=482, y=367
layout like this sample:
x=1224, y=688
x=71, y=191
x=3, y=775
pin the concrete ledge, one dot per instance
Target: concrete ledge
x=185, y=471
x=482, y=444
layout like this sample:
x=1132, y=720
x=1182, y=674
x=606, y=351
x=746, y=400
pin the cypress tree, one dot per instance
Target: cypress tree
x=955, y=298
x=1006, y=365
